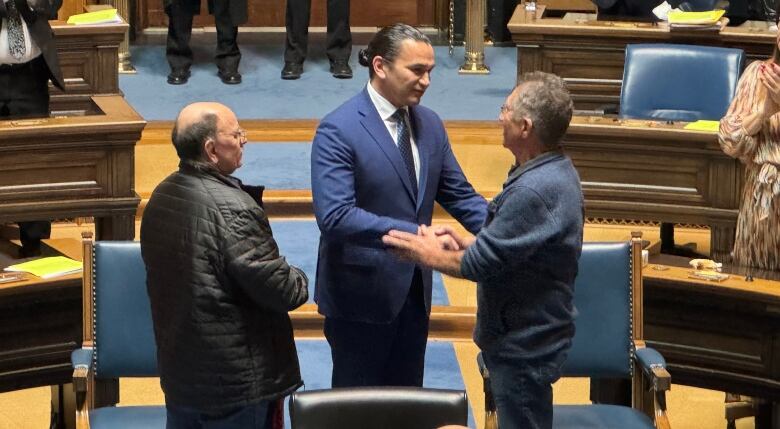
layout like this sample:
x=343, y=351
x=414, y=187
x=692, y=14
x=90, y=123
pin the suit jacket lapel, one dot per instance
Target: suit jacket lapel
x=378, y=131
x=423, y=141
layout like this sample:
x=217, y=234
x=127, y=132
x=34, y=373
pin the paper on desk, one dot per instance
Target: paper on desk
x=704, y=18
x=702, y=125
x=104, y=16
x=47, y=268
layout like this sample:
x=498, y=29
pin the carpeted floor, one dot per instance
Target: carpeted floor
x=263, y=95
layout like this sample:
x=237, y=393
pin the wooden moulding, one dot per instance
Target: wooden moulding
x=448, y=323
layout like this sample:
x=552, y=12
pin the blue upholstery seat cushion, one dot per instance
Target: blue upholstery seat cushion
x=599, y=417
x=128, y=418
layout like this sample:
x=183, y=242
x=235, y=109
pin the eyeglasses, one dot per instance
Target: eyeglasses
x=240, y=134
x=505, y=108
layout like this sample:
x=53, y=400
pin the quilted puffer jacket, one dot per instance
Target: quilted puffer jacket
x=220, y=293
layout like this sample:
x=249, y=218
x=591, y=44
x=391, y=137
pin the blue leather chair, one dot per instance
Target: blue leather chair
x=608, y=343
x=118, y=335
x=378, y=408
x=671, y=82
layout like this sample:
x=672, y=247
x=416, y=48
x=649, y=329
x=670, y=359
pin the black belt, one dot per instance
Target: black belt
x=21, y=66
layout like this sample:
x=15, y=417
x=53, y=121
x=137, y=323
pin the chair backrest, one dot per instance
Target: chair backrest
x=678, y=82
x=122, y=330
x=603, y=292
x=378, y=408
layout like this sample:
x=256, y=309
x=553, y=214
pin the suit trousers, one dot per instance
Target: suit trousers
x=338, y=45
x=257, y=416
x=178, y=51
x=24, y=93
x=371, y=354
x=499, y=13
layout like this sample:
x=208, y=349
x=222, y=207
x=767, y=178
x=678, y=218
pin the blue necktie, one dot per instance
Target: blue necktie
x=15, y=31
x=405, y=145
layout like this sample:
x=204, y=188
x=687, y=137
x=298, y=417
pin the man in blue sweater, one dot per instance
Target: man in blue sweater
x=524, y=259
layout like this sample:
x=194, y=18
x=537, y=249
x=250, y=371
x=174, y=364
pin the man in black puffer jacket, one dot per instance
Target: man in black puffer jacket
x=219, y=289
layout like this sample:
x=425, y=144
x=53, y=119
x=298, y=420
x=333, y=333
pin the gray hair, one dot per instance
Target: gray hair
x=546, y=101
x=189, y=140
x=386, y=43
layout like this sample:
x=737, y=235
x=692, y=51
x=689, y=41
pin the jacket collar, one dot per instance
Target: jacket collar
x=202, y=168
x=518, y=170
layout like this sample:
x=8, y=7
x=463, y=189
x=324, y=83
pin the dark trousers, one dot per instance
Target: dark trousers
x=24, y=93
x=258, y=416
x=339, y=40
x=499, y=13
x=522, y=391
x=178, y=49
x=368, y=354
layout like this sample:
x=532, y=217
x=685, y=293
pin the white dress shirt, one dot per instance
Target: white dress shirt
x=386, y=111
x=31, y=50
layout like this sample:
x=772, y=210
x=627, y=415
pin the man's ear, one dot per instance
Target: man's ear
x=528, y=124
x=210, y=147
x=379, y=66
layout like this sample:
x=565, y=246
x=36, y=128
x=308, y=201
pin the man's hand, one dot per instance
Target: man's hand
x=448, y=235
x=424, y=248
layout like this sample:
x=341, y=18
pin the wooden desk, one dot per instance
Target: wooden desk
x=716, y=335
x=65, y=167
x=40, y=322
x=89, y=60
x=644, y=170
x=590, y=54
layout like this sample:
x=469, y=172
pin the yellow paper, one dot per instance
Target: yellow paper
x=703, y=126
x=708, y=17
x=48, y=267
x=98, y=17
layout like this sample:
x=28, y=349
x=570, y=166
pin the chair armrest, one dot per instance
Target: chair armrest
x=81, y=361
x=654, y=367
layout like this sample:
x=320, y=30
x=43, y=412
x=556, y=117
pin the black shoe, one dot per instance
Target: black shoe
x=178, y=76
x=340, y=69
x=292, y=70
x=230, y=77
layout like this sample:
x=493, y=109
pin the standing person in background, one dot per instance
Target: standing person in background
x=228, y=15
x=750, y=132
x=28, y=60
x=338, y=44
x=378, y=162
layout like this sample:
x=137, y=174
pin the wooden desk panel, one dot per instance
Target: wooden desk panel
x=717, y=335
x=644, y=170
x=40, y=322
x=89, y=60
x=590, y=54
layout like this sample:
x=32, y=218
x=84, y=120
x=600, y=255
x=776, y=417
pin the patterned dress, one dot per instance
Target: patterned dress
x=757, y=241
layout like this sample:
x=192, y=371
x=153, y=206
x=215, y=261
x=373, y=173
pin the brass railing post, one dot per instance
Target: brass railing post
x=475, y=39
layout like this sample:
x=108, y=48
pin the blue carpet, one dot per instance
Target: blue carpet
x=263, y=95
x=442, y=370
x=298, y=242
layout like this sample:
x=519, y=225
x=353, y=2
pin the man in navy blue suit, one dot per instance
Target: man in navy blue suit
x=379, y=162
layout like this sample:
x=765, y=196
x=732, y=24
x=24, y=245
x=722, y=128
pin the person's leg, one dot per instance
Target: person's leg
x=339, y=39
x=177, y=50
x=406, y=365
x=297, y=25
x=522, y=391
x=257, y=416
x=182, y=418
x=227, y=55
x=27, y=96
x=359, y=350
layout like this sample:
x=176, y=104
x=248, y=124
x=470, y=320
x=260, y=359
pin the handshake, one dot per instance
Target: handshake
x=438, y=247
